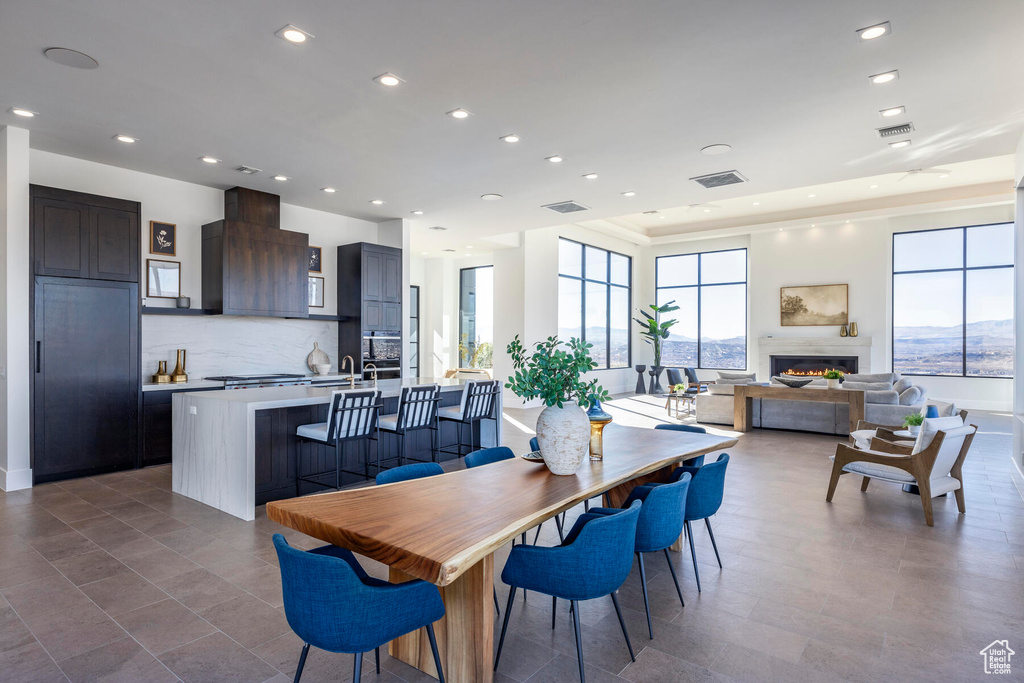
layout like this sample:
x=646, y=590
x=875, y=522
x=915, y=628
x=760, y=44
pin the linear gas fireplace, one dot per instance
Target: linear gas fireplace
x=812, y=366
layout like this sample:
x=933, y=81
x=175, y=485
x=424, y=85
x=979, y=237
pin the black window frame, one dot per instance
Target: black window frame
x=699, y=286
x=963, y=270
x=471, y=343
x=414, y=295
x=583, y=280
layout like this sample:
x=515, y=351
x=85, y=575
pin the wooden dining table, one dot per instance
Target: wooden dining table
x=445, y=529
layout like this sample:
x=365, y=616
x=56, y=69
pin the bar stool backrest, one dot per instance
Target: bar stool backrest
x=478, y=399
x=353, y=414
x=417, y=408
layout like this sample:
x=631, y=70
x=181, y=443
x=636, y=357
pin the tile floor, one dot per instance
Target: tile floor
x=115, y=578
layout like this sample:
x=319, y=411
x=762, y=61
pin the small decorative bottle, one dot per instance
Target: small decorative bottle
x=842, y=330
x=598, y=419
x=853, y=329
x=161, y=376
x=179, y=376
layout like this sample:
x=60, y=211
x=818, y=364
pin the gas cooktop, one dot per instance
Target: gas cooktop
x=252, y=378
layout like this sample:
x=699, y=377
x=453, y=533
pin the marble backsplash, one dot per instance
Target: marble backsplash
x=234, y=345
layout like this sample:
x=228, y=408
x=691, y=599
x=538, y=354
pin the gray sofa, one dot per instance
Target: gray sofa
x=888, y=398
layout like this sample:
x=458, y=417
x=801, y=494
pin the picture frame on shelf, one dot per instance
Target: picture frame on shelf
x=316, y=292
x=163, y=238
x=163, y=279
x=316, y=264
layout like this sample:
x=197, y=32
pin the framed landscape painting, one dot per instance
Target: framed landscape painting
x=815, y=305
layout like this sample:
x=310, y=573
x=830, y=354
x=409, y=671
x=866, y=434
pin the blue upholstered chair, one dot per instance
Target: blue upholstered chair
x=593, y=561
x=699, y=460
x=331, y=603
x=660, y=525
x=406, y=472
x=534, y=444
x=703, y=500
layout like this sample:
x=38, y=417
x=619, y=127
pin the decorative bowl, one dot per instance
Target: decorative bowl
x=794, y=383
x=533, y=456
x=322, y=368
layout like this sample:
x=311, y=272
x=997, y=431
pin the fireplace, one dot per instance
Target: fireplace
x=811, y=366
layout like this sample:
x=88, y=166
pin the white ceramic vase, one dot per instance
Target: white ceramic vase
x=563, y=435
x=832, y=383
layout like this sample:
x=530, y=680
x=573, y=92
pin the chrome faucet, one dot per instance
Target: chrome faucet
x=367, y=367
x=352, y=369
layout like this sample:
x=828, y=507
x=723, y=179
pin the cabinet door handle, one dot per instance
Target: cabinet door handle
x=39, y=356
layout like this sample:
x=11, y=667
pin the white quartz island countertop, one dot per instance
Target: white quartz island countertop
x=213, y=437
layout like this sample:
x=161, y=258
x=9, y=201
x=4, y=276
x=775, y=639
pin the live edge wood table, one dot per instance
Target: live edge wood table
x=445, y=529
x=744, y=395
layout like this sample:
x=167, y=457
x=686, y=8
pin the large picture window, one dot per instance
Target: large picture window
x=476, y=317
x=710, y=289
x=594, y=300
x=952, y=301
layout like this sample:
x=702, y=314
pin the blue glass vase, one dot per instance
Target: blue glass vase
x=931, y=411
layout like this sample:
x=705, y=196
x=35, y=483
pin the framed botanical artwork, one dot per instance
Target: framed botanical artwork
x=316, y=260
x=163, y=279
x=815, y=305
x=163, y=238
x=316, y=292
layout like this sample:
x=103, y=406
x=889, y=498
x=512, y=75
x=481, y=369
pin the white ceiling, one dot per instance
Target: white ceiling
x=630, y=91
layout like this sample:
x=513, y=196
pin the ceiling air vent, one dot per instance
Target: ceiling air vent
x=248, y=170
x=901, y=129
x=566, y=207
x=719, y=179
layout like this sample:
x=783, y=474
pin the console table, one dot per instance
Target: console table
x=744, y=395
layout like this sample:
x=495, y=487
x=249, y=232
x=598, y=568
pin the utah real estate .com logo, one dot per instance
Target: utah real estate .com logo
x=997, y=657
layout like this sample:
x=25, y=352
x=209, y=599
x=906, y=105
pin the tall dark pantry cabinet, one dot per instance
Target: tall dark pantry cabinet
x=85, y=334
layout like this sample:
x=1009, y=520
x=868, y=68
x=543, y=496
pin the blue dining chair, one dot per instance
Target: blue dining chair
x=694, y=462
x=703, y=500
x=331, y=602
x=592, y=562
x=406, y=472
x=660, y=525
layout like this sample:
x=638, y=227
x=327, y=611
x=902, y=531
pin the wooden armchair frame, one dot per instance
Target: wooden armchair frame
x=918, y=465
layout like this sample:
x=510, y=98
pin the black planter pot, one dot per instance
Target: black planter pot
x=640, y=388
x=655, y=373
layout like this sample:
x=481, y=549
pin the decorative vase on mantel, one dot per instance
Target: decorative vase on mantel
x=655, y=373
x=563, y=435
x=641, y=387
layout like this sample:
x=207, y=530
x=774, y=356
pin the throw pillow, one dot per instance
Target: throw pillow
x=738, y=375
x=734, y=380
x=887, y=397
x=888, y=377
x=721, y=388
x=931, y=427
x=868, y=386
x=909, y=397
x=902, y=385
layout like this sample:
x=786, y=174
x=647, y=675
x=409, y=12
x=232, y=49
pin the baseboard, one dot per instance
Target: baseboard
x=15, y=480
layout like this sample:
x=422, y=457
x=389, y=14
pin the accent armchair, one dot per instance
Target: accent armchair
x=934, y=463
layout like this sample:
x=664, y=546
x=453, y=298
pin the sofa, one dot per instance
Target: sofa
x=888, y=398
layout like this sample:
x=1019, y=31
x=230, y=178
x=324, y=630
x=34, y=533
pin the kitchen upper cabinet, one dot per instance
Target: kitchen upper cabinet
x=85, y=236
x=370, y=286
x=251, y=269
x=391, y=282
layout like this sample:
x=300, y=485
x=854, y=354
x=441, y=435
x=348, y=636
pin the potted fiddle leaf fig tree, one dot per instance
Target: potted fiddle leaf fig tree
x=554, y=374
x=654, y=330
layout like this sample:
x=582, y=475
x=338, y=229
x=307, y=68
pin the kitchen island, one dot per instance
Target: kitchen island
x=236, y=449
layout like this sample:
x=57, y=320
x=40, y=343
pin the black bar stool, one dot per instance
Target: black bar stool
x=479, y=400
x=352, y=416
x=417, y=409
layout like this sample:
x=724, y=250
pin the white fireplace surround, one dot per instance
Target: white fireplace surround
x=812, y=346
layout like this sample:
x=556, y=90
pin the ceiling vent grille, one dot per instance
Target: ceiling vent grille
x=719, y=179
x=248, y=170
x=901, y=129
x=566, y=207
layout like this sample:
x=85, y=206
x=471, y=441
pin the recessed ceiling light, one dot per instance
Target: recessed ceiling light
x=388, y=79
x=555, y=159
x=887, y=77
x=18, y=111
x=424, y=253
x=590, y=176
x=281, y=178
x=72, y=58
x=711, y=150
x=469, y=246
x=872, y=32
x=328, y=190
x=813, y=225
x=899, y=144
x=458, y=113
x=780, y=229
x=707, y=210
x=757, y=203
x=944, y=175
x=437, y=227
x=511, y=137
x=491, y=197
x=629, y=194
x=416, y=213
x=128, y=139
x=893, y=111
x=872, y=187
x=293, y=34
x=376, y=202
x=210, y=160
x=811, y=196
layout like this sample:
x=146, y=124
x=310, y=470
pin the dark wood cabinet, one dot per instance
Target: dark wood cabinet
x=157, y=425
x=369, y=295
x=85, y=236
x=251, y=269
x=391, y=281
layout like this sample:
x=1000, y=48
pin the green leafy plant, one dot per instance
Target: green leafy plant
x=833, y=374
x=553, y=372
x=653, y=330
x=913, y=420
